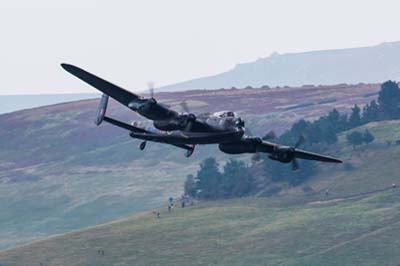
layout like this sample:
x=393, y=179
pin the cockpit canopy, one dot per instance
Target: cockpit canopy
x=225, y=114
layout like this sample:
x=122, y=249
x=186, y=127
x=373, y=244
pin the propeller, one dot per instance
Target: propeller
x=257, y=156
x=270, y=136
x=150, y=85
x=295, y=163
x=184, y=106
x=189, y=117
x=300, y=142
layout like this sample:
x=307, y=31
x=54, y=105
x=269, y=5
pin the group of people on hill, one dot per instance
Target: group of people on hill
x=184, y=201
x=100, y=252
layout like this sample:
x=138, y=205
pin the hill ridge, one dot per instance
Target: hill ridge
x=368, y=64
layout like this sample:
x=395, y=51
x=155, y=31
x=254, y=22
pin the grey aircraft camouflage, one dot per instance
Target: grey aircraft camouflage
x=186, y=130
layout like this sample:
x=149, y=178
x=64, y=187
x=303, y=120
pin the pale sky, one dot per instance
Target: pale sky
x=167, y=41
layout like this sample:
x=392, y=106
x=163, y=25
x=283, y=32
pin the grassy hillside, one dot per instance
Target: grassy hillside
x=237, y=232
x=369, y=167
x=357, y=223
x=58, y=172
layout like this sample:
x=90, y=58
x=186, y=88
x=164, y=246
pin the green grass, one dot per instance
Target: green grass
x=369, y=167
x=236, y=232
x=356, y=224
x=77, y=192
x=91, y=175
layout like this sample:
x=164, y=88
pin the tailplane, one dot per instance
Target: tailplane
x=102, y=109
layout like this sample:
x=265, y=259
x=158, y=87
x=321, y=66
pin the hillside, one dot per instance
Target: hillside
x=11, y=103
x=58, y=172
x=365, y=64
x=245, y=232
x=357, y=223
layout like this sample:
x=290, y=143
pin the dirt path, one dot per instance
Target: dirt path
x=355, y=196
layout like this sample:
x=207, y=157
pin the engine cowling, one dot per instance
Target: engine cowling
x=283, y=155
x=181, y=122
x=142, y=106
x=238, y=148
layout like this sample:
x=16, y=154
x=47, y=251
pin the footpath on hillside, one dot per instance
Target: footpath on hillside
x=355, y=196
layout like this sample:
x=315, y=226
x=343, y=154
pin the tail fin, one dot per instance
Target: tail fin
x=101, y=112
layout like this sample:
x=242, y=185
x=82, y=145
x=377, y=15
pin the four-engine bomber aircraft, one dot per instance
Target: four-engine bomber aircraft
x=185, y=130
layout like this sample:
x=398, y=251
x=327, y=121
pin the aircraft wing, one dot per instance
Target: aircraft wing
x=276, y=151
x=272, y=148
x=155, y=111
x=306, y=155
x=121, y=95
x=124, y=125
x=141, y=131
x=192, y=138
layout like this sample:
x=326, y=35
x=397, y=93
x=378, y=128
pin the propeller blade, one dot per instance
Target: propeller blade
x=184, y=106
x=295, y=165
x=150, y=84
x=189, y=124
x=300, y=142
x=270, y=136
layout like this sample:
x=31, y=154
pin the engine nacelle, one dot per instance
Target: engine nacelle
x=142, y=106
x=238, y=148
x=179, y=123
x=167, y=125
x=283, y=155
x=152, y=110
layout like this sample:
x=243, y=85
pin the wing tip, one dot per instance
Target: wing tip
x=67, y=67
x=316, y=157
x=329, y=159
x=334, y=160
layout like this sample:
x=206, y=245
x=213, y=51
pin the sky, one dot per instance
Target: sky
x=133, y=42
